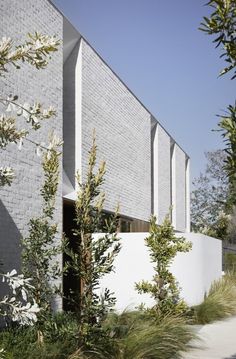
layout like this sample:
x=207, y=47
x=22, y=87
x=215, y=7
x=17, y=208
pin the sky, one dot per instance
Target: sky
x=155, y=47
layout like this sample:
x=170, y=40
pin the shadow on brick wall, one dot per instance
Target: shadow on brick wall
x=9, y=241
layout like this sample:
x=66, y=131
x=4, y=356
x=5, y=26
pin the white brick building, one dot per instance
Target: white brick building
x=147, y=171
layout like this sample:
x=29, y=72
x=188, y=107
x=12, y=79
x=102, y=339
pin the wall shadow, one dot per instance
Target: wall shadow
x=10, y=251
x=9, y=241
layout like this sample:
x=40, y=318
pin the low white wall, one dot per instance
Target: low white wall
x=195, y=270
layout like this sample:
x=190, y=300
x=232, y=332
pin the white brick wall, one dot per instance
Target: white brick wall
x=69, y=113
x=123, y=136
x=161, y=177
x=169, y=180
x=180, y=180
x=98, y=100
x=21, y=201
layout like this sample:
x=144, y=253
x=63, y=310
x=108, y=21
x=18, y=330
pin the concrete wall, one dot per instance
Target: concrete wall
x=123, y=128
x=21, y=201
x=195, y=270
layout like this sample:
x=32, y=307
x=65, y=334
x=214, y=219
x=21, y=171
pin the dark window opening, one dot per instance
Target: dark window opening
x=71, y=284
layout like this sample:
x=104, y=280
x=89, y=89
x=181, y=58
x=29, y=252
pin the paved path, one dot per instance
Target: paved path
x=218, y=341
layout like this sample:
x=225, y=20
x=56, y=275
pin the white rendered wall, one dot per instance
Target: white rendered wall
x=195, y=271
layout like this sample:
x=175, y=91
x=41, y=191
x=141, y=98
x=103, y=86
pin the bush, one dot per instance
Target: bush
x=163, y=246
x=59, y=340
x=62, y=326
x=230, y=262
x=219, y=303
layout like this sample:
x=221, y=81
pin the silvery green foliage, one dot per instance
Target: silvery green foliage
x=18, y=306
x=9, y=133
x=163, y=247
x=36, y=51
x=2, y=353
x=40, y=248
x=6, y=176
x=32, y=113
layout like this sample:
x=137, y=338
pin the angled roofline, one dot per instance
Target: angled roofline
x=120, y=79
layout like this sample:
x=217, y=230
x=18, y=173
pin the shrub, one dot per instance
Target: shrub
x=59, y=340
x=40, y=247
x=88, y=259
x=230, y=261
x=163, y=246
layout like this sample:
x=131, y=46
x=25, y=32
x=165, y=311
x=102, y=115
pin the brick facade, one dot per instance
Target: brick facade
x=21, y=201
x=123, y=128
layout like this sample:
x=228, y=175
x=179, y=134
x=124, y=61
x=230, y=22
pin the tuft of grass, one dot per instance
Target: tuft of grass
x=160, y=340
x=120, y=324
x=141, y=337
x=219, y=303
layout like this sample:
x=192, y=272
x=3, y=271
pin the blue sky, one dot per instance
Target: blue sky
x=172, y=67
